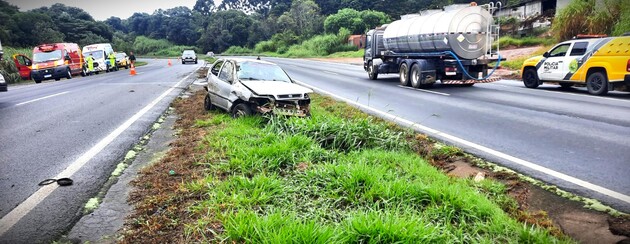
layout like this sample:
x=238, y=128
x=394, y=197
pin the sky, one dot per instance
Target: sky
x=103, y=9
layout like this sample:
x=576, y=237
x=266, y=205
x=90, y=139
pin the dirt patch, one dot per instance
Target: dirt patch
x=535, y=205
x=161, y=203
x=513, y=53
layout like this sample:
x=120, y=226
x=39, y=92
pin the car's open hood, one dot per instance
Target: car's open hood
x=275, y=87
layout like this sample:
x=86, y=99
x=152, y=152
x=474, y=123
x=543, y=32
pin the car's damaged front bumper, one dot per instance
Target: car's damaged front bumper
x=288, y=107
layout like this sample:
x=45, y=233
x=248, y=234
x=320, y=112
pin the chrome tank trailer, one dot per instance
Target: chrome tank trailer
x=464, y=31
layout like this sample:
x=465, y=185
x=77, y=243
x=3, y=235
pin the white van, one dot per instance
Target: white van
x=99, y=52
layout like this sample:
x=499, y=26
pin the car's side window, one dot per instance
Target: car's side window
x=227, y=72
x=560, y=51
x=579, y=49
x=216, y=68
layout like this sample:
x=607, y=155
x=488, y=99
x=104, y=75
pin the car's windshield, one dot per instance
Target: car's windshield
x=189, y=52
x=120, y=55
x=95, y=54
x=261, y=71
x=46, y=56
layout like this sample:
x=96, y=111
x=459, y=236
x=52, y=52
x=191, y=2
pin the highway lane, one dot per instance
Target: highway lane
x=45, y=128
x=568, y=131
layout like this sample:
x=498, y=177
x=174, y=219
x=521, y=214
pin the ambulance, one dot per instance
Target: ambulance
x=56, y=61
x=600, y=64
x=100, y=52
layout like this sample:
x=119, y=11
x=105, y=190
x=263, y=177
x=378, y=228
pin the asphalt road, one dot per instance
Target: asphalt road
x=79, y=128
x=586, y=138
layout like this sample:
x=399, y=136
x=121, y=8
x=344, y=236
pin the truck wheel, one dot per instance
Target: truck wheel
x=373, y=74
x=530, y=78
x=414, y=77
x=241, y=110
x=404, y=74
x=68, y=74
x=597, y=83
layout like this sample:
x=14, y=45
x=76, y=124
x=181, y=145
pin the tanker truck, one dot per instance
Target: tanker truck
x=453, y=46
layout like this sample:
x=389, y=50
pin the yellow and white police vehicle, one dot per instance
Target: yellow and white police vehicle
x=600, y=64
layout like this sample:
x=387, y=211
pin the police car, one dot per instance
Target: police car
x=600, y=64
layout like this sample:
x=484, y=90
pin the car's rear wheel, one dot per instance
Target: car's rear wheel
x=37, y=81
x=597, y=83
x=530, y=78
x=241, y=110
x=68, y=74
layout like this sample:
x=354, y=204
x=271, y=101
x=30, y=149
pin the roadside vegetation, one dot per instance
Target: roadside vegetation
x=340, y=176
x=517, y=42
x=610, y=17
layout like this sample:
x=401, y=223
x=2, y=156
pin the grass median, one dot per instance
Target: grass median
x=340, y=176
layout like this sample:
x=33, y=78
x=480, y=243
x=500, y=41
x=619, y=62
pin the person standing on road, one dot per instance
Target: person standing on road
x=132, y=58
x=90, y=64
x=112, y=61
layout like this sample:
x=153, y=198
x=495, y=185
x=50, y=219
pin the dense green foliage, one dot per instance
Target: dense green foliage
x=355, y=21
x=610, y=17
x=56, y=23
x=334, y=179
x=317, y=46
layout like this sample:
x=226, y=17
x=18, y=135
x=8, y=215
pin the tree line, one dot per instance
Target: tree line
x=207, y=26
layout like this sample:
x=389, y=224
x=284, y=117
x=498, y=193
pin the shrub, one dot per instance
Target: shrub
x=507, y=41
x=589, y=17
x=236, y=50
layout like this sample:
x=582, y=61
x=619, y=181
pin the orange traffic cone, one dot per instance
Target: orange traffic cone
x=132, y=71
x=169, y=62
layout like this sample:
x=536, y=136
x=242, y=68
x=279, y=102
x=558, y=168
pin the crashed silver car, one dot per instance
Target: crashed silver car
x=246, y=86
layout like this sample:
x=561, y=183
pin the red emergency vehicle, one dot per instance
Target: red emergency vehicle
x=56, y=61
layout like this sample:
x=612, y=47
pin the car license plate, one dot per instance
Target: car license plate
x=47, y=76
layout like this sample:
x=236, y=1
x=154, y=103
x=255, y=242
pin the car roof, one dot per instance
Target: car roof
x=240, y=60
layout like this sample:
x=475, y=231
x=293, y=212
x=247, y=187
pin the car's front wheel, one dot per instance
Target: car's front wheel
x=530, y=78
x=241, y=110
x=207, y=103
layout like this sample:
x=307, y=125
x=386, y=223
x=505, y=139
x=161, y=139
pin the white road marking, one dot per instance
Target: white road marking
x=533, y=166
x=31, y=202
x=562, y=92
x=41, y=98
x=332, y=73
x=423, y=90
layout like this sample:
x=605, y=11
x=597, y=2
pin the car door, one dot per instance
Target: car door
x=225, y=80
x=556, y=65
x=23, y=65
x=213, y=84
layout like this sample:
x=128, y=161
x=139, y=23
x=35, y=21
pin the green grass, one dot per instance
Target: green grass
x=339, y=177
x=140, y=63
x=348, y=54
x=508, y=41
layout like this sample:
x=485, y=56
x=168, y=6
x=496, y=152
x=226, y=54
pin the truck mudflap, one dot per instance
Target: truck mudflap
x=471, y=81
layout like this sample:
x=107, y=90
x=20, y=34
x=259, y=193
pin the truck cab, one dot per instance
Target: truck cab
x=600, y=64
